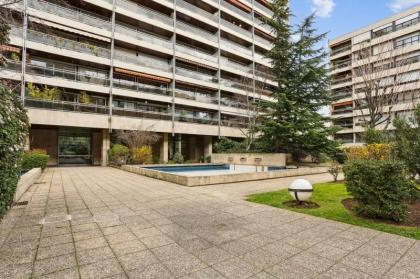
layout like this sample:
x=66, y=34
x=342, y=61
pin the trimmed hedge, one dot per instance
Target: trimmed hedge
x=381, y=188
x=13, y=130
x=36, y=158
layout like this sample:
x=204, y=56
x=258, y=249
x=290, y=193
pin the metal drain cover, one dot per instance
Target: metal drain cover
x=21, y=203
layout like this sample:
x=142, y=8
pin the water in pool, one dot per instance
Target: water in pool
x=212, y=169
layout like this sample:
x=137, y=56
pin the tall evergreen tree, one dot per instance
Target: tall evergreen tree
x=293, y=123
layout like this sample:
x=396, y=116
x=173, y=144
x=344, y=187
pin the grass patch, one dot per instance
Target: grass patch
x=329, y=197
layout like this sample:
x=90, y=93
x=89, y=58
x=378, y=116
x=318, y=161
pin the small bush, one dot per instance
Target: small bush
x=373, y=136
x=380, y=188
x=118, y=154
x=376, y=151
x=178, y=158
x=226, y=145
x=335, y=170
x=36, y=158
x=142, y=155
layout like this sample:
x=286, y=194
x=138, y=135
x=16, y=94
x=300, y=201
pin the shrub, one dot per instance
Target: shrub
x=142, y=155
x=335, y=170
x=36, y=158
x=379, y=187
x=407, y=142
x=226, y=145
x=372, y=136
x=178, y=158
x=13, y=130
x=118, y=154
x=376, y=151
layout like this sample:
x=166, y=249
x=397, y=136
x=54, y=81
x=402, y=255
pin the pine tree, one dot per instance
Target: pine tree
x=293, y=123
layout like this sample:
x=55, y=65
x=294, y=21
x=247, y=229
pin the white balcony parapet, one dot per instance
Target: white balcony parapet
x=236, y=10
x=143, y=36
x=145, y=11
x=196, y=53
x=196, y=75
x=197, y=10
x=197, y=31
x=236, y=47
x=143, y=60
x=236, y=28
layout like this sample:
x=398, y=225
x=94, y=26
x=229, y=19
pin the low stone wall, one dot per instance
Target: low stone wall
x=221, y=179
x=26, y=181
x=263, y=159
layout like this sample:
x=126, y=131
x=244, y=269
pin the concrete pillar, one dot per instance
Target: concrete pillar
x=27, y=142
x=164, y=148
x=106, y=145
x=208, y=145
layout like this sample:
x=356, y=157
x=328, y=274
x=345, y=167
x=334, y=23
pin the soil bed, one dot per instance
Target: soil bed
x=413, y=218
x=304, y=204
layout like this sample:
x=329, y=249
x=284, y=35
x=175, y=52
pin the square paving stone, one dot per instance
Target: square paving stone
x=70, y=273
x=262, y=258
x=94, y=255
x=213, y=255
x=156, y=241
x=55, y=250
x=169, y=251
x=343, y=272
x=207, y=273
x=327, y=251
x=312, y=262
x=115, y=230
x=120, y=237
x=91, y=243
x=54, y=264
x=147, y=232
x=262, y=275
x=290, y=270
x=184, y=265
x=154, y=271
x=100, y=269
x=127, y=247
x=82, y=235
x=138, y=260
x=236, y=268
x=55, y=240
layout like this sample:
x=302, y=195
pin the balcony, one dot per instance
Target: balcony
x=197, y=10
x=344, y=125
x=341, y=80
x=340, y=65
x=235, y=83
x=262, y=25
x=145, y=11
x=134, y=85
x=263, y=41
x=233, y=123
x=197, y=31
x=60, y=42
x=235, y=65
x=70, y=13
x=335, y=51
x=236, y=10
x=263, y=8
x=341, y=95
x=143, y=60
x=65, y=106
x=342, y=110
x=196, y=75
x=236, y=28
x=235, y=47
x=195, y=96
x=143, y=36
x=196, y=53
x=195, y=117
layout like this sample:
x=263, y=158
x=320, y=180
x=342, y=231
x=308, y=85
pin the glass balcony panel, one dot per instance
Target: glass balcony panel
x=197, y=31
x=145, y=11
x=196, y=75
x=143, y=60
x=65, y=106
x=143, y=36
x=196, y=52
x=236, y=47
x=233, y=64
x=197, y=10
x=72, y=14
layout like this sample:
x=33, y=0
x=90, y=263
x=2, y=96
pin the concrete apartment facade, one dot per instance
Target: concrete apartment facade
x=400, y=34
x=181, y=68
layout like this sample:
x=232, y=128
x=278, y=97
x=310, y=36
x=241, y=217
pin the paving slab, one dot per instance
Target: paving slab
x=102, y=222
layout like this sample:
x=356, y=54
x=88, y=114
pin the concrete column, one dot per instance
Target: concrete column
x=27, y=142
x=208, y=145
x=164, y=148
x=106, y=145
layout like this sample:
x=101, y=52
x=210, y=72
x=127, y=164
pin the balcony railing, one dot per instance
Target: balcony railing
x=233, y=123
x=344, y=125
x=196, y=119
x=195, y=52
x=235, y=65
x=143, y=60
x=342, y=110
x=143, y=36
x=236, y=28
x=196, y=75
x=197, y=10
x=341, y=65
x=190, y=95
x=65, y=106
x=263, y=41
x=263, y=8
x=145, y=11
x=341, y=95
x=236, y=84
x=340, y=50
x=341, y=80
x=197, y=31
x=140, y=87
x=63, y=43
x=65, y=12
x=236, y=47
x=236, y=10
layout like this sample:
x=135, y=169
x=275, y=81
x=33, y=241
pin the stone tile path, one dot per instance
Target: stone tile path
x=125, y=225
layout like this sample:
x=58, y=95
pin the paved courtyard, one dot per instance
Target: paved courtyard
x=106, y=223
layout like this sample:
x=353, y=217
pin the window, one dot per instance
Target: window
x=383, y=30
x=407, y=41
x=407, y=21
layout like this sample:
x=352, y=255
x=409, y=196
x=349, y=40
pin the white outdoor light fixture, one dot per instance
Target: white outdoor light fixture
x=301, y=190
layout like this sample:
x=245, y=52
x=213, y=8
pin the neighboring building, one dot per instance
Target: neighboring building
x=401, y=34
x=178, y=67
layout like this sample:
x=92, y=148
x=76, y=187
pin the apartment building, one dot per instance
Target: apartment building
x=181, y=68
x=397, y=38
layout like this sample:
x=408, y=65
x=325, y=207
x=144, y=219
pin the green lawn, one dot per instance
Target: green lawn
x=329, y=197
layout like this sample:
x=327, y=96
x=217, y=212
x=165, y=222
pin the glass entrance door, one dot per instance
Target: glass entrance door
x=74, y=147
